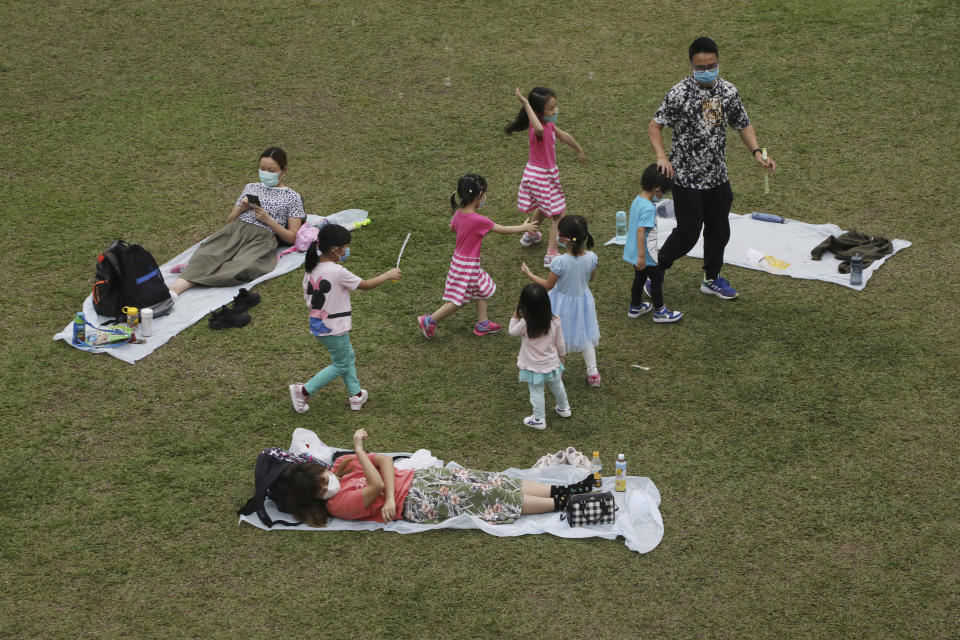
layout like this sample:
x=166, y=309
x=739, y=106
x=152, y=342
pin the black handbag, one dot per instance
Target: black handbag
x=590, y=508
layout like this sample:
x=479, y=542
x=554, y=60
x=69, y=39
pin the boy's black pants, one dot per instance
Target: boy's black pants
x=655, y=273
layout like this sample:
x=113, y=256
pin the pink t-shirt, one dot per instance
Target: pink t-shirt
x=540, y=354
x=332, y=301
x=348, y=503
x=470, y=228
x=543, y=152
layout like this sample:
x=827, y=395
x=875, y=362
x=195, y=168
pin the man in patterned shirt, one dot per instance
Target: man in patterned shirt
x=698, y=108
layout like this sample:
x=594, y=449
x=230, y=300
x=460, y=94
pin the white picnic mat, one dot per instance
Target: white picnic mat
x=638, y=518
x=789, y=242
x=193, y=304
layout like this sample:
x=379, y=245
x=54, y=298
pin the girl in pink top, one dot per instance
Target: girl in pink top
x=366, y=486
x=541, y=352
x=466, y=280
x=326, y=290
x=540, y=192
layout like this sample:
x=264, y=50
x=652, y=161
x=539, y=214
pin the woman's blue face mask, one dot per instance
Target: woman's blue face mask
x=269, y=179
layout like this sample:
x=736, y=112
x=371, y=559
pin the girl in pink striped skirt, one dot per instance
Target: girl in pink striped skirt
x=466, y=280
x=540, y=192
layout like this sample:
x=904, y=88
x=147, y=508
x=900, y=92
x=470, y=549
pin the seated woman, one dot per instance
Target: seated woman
x=246, y=248
x=364, y=486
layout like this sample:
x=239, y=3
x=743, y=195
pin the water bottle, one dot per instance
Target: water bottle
x=621, y=224
x=597, y=468
x=79, y=331
x=620, y=484
x=856, y=269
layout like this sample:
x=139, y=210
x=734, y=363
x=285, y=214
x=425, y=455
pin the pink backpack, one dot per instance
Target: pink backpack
x=306, y=235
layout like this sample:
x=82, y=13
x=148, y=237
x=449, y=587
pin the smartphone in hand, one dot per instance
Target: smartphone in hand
x=252, y=199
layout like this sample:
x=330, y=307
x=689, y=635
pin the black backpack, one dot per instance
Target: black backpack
x=127, y=275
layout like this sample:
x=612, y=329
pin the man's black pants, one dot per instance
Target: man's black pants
x=708, y=209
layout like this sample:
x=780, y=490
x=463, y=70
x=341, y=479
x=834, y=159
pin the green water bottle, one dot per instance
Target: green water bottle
x=79, y=331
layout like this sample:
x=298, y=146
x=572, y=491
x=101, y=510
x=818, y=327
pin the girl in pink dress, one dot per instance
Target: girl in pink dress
x=540, y=192
x=466, y=280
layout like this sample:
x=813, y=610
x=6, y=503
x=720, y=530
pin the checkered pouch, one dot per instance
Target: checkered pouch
x=590, y=508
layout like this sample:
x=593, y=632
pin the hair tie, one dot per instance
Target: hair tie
x=573, y=239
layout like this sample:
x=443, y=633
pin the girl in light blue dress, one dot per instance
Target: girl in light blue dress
x=570, y=296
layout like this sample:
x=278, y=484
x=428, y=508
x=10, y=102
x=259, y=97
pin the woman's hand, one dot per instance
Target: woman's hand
x=358, y=437
x=244, y=204
x=583, y=156
x=522, y=98
x=389, y=510
x=262, y=216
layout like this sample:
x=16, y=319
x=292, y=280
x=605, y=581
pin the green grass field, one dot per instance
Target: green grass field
x=804, y=437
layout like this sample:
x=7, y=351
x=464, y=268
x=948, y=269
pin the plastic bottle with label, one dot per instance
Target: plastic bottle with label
x=597, y=468
x=620, y=484
x=79, y=328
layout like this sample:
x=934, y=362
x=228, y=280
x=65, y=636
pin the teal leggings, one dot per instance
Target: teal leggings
x=344, y=363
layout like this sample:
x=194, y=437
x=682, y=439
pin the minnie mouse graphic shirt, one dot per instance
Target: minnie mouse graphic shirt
x=326, y=291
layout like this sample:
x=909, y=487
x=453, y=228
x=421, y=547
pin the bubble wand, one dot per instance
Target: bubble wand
x=405, y=241
x=766, y=174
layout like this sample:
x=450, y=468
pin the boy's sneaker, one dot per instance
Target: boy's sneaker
x=535, y=422
x=719, y=287
x=528, y=238
x=487, y=326
x=593, y=379
x=299, y=400
x=427, y=326
x=636, y=312
x=245, y=300
x=224, y=318
x=547, y=259
x=563, y=413
x=357, y=401
x=666, y=315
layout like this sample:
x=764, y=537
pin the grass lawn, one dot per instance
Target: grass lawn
x=804, y=437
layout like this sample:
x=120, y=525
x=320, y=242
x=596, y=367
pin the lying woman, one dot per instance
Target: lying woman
x=364, y=486
x=246, y=248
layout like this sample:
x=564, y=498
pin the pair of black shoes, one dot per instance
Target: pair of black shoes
x=225, y=318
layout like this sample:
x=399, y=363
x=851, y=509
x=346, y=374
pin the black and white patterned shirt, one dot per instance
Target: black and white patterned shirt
x=698, y=115
x=280, y=202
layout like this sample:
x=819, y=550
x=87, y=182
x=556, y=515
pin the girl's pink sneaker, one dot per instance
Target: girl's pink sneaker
x=593, y=380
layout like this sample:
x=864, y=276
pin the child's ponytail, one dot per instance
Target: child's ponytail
x=469, y=188
x=575, y=228
x=331, y=235
x=538, y=99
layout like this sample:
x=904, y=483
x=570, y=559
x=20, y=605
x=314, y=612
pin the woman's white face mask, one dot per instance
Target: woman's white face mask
x=333, y=486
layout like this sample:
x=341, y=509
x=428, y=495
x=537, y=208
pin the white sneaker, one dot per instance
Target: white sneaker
x=356, y=402
x=535, y=422
x=296, y=396
x=564, y=413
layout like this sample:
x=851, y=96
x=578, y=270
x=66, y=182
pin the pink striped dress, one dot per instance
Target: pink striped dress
x=540, y=185
x=465, y=279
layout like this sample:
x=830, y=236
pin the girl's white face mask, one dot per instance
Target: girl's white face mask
x=333, y=486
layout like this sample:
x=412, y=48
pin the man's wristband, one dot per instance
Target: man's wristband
x=754, y=152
